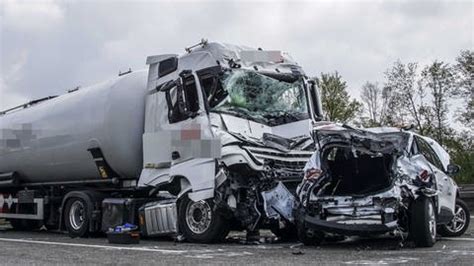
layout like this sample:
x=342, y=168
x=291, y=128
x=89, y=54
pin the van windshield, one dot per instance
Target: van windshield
x=258, y=97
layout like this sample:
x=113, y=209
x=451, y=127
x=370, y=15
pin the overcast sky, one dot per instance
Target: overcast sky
x=48, y=47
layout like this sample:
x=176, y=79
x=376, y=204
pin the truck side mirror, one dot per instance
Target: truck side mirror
x=316, y=100
x=453, y=169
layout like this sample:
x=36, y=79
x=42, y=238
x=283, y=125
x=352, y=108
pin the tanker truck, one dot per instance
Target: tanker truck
x=212, y=140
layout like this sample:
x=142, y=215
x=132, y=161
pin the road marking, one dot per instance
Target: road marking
x=472, y=217
x=165, y=251
x=457, y=238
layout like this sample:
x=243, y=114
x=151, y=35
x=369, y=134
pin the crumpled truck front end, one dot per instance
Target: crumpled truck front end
x=259, y=178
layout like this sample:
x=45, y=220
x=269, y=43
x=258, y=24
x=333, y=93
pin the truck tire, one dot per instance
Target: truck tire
x=460, y=221
x=76, y=217
x=423, y=222
x=25, y=225
x=198, y=221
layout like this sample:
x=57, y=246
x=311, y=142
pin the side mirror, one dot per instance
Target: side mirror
x=453, y=169
x=316, y=100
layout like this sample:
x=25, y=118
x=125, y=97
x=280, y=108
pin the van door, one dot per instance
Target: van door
x=445, y=186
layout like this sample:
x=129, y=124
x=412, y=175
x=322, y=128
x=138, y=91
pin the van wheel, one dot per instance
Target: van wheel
x=459, y=223
x=199, y=222
x=423, y=222
x=76, y=217
x=25, y=225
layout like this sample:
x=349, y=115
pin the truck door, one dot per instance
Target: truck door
x=178, y=139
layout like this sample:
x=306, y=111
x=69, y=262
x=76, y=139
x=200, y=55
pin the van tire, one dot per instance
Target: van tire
x=465, y=218
x=423, y=222
x=76, y=217
x=199, y=222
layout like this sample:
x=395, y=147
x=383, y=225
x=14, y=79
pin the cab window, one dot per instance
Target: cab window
x=182, y=100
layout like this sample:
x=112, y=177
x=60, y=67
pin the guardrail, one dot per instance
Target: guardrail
x=467, y=194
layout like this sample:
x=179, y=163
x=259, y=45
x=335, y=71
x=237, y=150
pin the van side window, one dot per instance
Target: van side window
x=426, y=150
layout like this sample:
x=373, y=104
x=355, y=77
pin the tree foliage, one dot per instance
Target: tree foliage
x=425, y=99
x=464, y=70
x=337, y=104
x=438, y=78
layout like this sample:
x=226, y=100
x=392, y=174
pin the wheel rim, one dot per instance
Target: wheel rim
x=459, y=220
x=198, y=216
x=432, y=220
x=77, y=215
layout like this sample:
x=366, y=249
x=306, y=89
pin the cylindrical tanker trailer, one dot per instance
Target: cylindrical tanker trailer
x=197, y=145
x=52, y=141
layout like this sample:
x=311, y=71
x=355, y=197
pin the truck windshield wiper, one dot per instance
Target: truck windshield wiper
x=235, y=111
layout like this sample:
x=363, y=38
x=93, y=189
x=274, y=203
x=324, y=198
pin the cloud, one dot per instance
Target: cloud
x=12, y=75
x=32, y=16
x=71, y=43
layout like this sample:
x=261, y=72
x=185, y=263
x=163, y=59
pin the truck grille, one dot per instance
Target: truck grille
x=285, y=165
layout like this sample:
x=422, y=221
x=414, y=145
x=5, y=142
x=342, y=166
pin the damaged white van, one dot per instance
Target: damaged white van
x=378, y=180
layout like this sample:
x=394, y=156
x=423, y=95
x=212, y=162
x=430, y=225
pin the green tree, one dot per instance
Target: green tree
x=439, y=80
x=337, y=104
x=407, y=98
x=371, y=97
x=464, y=71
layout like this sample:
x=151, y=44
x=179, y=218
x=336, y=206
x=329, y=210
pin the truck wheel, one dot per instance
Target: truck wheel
x=199, y=222
x=25, y=225
x=309, y=237
x=460, y=221
x=76, y=218
x=423, y=222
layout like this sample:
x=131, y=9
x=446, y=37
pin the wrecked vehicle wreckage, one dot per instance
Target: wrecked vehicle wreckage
x=375, y=181
x=258, y=169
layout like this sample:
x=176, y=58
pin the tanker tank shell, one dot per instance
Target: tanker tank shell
x=49, y=141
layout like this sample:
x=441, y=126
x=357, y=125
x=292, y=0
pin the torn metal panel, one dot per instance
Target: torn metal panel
x=279, y=202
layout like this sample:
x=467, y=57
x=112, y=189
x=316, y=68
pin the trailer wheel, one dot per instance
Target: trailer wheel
x=423, y=222
x=76, y=217
x=199, y=222
x=459, y=223
x=25, y=225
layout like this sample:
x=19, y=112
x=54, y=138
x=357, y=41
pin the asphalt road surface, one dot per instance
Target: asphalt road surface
x=44, y=247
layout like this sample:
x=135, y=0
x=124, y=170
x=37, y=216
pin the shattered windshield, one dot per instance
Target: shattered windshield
x=262, y=98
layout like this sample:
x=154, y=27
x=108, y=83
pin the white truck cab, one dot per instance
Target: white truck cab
x=223, y=125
